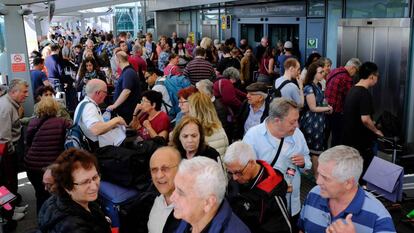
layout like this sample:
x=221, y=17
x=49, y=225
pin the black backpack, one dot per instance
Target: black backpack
x=128, y=167
x=274, y=92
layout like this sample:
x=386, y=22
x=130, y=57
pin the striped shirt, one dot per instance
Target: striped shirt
x=368, y=214
x=199, y=69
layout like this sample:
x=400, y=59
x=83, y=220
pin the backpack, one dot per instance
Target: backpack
x=276, y=92
x=103, y=56
x=128, y=167
x=174, y=83
x=75, y=138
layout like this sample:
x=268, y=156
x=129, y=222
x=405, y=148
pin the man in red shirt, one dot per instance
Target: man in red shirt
x=136, y=60
x=338, y=84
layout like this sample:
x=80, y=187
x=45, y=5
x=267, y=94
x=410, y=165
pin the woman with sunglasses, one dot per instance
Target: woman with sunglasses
x=148, y=119
x=73, y=208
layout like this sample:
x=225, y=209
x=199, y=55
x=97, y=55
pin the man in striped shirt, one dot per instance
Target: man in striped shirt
x=337, y=204
x=199, y=68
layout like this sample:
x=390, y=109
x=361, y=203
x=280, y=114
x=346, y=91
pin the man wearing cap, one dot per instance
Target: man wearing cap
x=253, y=110
x=288, y=47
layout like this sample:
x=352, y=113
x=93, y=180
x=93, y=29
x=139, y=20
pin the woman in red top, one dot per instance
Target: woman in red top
x=172, y=68
x=266, y=67
x=148, y=118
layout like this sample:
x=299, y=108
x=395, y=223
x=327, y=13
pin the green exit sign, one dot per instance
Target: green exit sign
x=312, y=43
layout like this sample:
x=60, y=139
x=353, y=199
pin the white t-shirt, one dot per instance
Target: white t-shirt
x=159, y=215
x=92, y=114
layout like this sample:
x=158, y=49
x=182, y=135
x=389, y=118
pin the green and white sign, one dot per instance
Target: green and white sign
x=312, y=43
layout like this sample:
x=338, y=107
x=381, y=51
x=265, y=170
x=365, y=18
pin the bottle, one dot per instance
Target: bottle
x=106, y=116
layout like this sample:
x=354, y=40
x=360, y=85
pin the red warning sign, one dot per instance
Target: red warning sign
x=18, y=62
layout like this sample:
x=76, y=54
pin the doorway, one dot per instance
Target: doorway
x=252, y=32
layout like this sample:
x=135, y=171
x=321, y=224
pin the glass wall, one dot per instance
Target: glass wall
x=3, y=60
x=316, y=8
x=334, y=14
x=377, y=9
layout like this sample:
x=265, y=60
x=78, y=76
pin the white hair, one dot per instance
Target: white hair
x=16, y=84
x=205, y=86
x=348, y=162
x=208, y=176
x=353, y=62
x=239, y=152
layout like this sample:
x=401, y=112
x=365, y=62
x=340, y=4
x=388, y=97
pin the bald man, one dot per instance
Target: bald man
x=127, y=91
x=163, y=166
x=91, y=122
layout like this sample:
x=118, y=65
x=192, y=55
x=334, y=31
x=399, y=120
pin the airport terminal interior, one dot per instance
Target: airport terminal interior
x=105, y=103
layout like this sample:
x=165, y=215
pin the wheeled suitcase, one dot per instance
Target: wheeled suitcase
x=113, y=198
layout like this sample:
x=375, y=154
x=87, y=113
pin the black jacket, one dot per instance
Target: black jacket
x=63, y=215
x=262, y=207
x=241, y=118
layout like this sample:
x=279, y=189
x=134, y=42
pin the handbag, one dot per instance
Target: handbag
x=231, y=117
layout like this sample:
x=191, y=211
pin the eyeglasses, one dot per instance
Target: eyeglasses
x=182, y=101
x=96, y=178
x=163, y=169
x=106, y=92
x=237, y=173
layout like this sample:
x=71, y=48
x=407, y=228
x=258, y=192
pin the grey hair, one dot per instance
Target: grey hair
x=325, y=60
x=205, y=86
x=231, y=73
x=279, y=107
x=16, y=84
x=348, y=162
x=239, y=152
x=89, y=41
x=135, y=48
x=355, y=62
x=209, y=178
x=93, y=86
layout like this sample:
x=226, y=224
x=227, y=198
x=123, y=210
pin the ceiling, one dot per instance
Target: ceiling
x=62, y=7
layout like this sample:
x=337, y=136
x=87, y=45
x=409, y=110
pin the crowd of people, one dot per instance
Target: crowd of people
x=239, y=125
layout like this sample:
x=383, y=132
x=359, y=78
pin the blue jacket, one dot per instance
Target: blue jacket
x=225, y=221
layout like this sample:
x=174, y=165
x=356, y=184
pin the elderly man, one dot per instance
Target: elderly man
x=254, y=110
x=257, y=191
x=261, y=48
x=198, y=198
x=279, y=142
x=91, y=121
x=163, y=166
x=338, y=84
x=127, y=91
x=337, y=204
x=10, y=133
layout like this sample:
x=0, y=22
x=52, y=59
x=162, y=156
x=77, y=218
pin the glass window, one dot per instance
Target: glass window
x=334, y=14
x=2, y=45
x=377, y=9
x=316, y=8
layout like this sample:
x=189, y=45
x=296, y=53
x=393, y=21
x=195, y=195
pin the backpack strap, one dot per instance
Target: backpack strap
x=78, y=116
x=284, y=83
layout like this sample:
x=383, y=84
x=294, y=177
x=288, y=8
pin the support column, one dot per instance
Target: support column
x=16, y=44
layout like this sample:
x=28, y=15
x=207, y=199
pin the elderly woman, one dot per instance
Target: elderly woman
x=206, y=86
x=188, y=137
x=148, y=118
x=73, y=209
x=45, y=139
x=201, y=107
x=183, y=95
x=224, y=89
x=172, y=68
